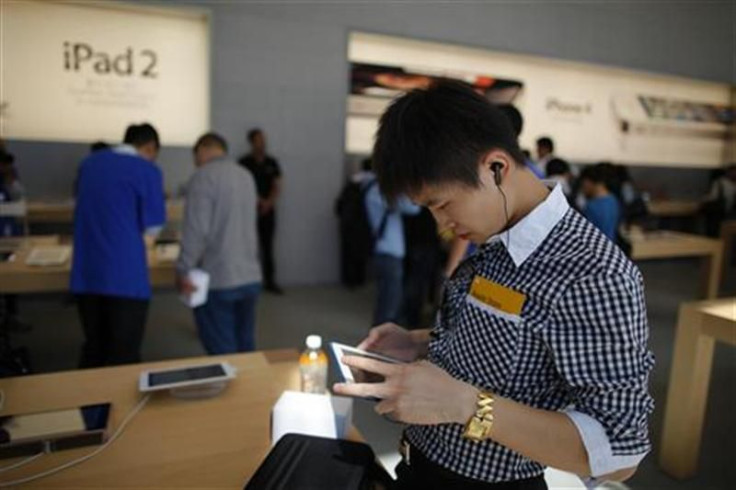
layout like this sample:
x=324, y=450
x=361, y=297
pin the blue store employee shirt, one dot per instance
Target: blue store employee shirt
x=120, y=196
x=604, y=212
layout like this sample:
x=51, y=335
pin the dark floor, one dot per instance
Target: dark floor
x=342, y=315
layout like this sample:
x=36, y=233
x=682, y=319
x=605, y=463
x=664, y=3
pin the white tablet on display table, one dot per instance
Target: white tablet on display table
x=185, y=376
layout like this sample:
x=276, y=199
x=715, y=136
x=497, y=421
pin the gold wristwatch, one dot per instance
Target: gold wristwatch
x=480, y=424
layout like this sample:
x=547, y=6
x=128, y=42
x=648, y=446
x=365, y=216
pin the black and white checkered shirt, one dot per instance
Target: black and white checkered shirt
x=579, y=345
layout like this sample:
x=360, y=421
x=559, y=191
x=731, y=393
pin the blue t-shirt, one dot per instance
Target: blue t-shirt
x=605, y=213
x=119, y=196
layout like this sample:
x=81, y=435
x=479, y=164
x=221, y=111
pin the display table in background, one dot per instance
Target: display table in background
x=62, y=212
x=671, y=208
x=659, y=245
x=171, y=443
x=17, y=277
x=699, y=326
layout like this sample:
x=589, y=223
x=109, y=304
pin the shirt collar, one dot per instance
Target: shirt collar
x=522, y=239
x=125, y=149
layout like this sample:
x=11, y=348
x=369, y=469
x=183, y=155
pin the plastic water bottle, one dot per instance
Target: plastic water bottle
x=313, y=366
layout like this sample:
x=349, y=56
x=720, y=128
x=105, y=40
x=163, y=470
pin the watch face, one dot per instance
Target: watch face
x=477, y=429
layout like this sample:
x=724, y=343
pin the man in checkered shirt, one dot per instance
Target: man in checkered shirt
x=539, y=353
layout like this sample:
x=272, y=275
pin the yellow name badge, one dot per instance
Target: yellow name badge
x=497, y=296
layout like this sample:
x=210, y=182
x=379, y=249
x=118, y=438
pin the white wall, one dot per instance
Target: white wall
x=283, y=67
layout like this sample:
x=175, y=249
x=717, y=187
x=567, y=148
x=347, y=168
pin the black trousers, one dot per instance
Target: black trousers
x=424, y=474
x=113, y=329
x=266, y=231
x=9, y=307
x=353, y=264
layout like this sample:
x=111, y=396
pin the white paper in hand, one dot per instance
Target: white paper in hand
x=201, y=281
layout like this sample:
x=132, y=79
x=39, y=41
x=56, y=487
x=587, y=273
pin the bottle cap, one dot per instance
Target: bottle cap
x=314, y=342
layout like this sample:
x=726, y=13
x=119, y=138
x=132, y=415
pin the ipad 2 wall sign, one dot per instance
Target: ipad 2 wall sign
x=77, y=71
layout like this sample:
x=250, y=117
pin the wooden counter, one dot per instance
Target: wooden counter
x=17, y=277
x=659, y=245
x=699, y=326
x=171, y=443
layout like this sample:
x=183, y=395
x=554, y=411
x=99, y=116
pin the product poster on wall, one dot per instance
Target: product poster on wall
x=593, y=113
x=83, y=71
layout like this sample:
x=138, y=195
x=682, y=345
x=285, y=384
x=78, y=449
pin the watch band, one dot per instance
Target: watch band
x=479, y=426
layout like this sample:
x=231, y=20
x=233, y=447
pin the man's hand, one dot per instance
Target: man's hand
x=393, y=341
x=418, y=393
x=184, y=285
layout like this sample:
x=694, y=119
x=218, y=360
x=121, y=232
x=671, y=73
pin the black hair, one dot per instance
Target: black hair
x=557, y=166
x=366, y=165
x=438, y=135
x=211, y=139
x=252, y=134
x=98, y=146
x=546, y=142
x=601, y=173
x=141, y=134
x=622, y=173
x=515, y=117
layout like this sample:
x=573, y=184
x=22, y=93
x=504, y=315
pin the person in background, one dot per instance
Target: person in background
x=93, y=148
x=219, y=236
x=421, y=266
x=365, y=174
x=267, y=174
x=720, y=202
x=602, y=208
x=545, y=152
x=11, y=190
x=558, y=170
x=517, y=123
x=389, y=251
x=120, y=199
x=10, y=187
x=634, y=208
x=99, y=146
x=353, y=226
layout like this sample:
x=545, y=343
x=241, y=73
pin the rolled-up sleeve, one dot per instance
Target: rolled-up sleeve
x=598, y=335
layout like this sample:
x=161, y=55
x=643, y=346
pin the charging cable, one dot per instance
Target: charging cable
x=21, y=463
x=75, y=462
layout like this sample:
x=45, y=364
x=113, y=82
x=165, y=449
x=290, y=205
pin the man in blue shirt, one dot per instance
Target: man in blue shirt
x=120, y=199
x=601, y=208
x=390, y=249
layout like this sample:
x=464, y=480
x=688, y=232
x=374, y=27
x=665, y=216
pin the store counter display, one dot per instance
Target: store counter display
x=658, y=245
x=700, y=325
x=19, y=273
x=216, y=442
x=62, y=212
